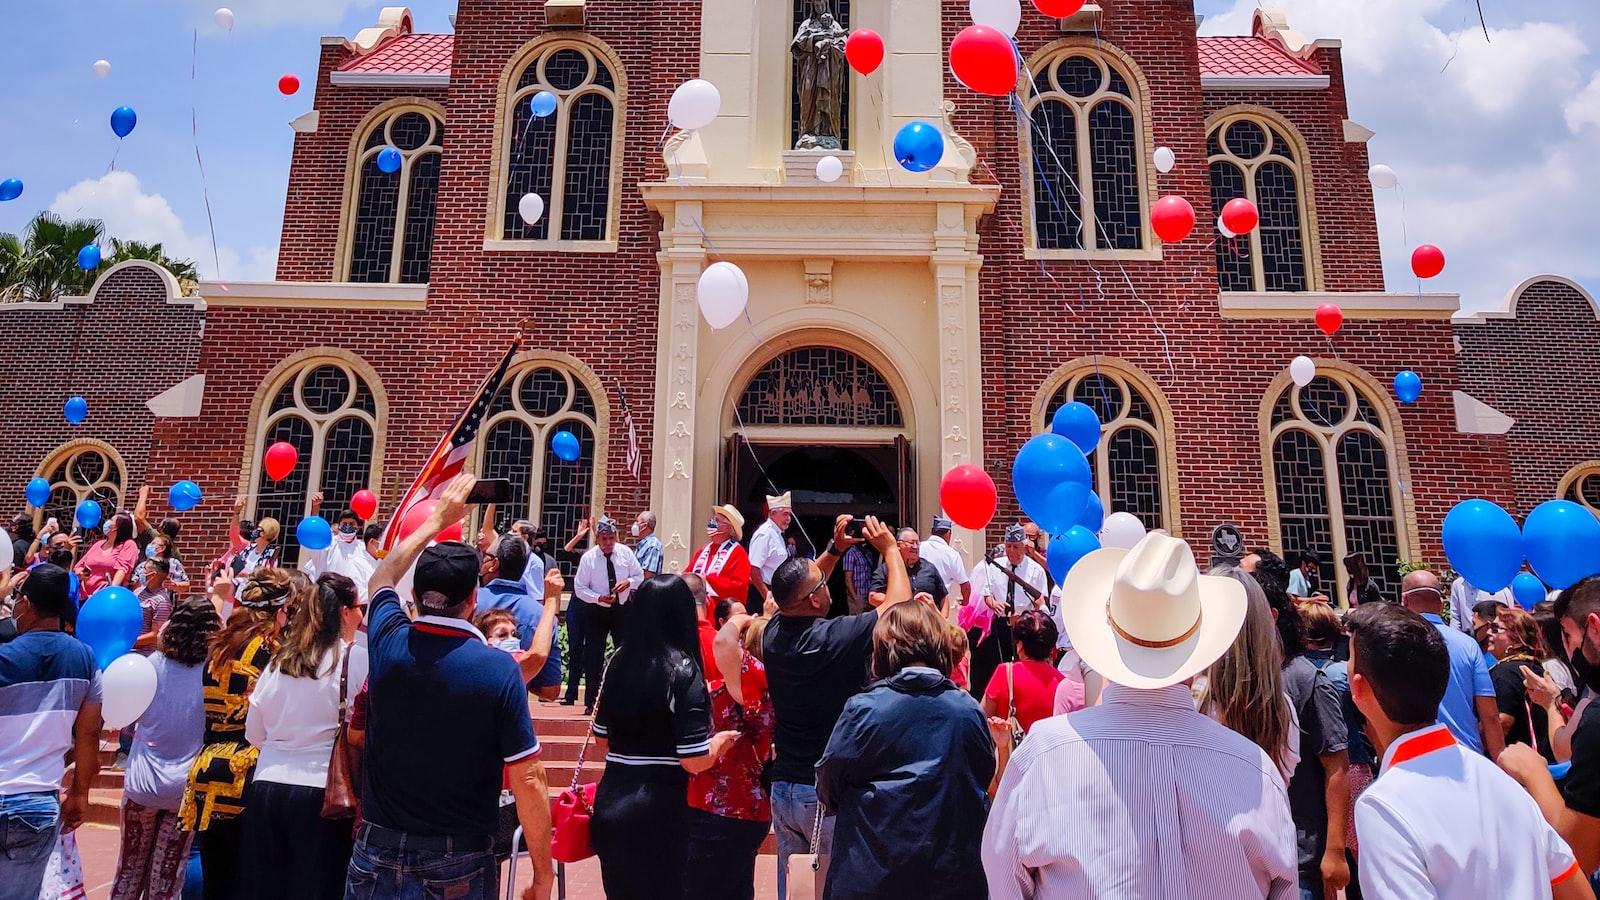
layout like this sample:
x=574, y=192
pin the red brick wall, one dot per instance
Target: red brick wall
x=1538, y=369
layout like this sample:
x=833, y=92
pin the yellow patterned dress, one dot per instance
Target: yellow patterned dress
x=222, y=770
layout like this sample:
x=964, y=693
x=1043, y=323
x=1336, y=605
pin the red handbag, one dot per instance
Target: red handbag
x=571, y=811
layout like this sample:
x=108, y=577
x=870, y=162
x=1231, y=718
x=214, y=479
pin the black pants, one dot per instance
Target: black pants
x=722, y=856
x=640, y=831
x=577, y=620
x=988, y=653
x=290, y=851
x=599, y=623
x=220, y=847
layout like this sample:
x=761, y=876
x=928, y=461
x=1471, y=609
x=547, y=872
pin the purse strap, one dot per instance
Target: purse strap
x=1011, y=698
x=599, y=695
x=344, y=684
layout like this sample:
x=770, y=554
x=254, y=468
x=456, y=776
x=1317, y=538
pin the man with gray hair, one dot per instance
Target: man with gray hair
x=648, y=548
x=926, y=584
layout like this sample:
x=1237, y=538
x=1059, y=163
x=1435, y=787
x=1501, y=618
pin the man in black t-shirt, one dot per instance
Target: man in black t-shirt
x=926, y=582
x=814, y=665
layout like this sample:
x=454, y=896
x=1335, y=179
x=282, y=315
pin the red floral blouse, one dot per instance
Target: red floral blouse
x=732, y=788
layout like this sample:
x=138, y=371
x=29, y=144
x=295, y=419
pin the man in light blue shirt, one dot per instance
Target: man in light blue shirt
x=500, y=573
x=648, y=548
x=1468, y=708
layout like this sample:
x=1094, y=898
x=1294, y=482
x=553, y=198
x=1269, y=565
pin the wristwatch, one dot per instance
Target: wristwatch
x=831, y=548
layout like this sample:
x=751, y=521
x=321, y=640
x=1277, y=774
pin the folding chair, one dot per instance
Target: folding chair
x=518, y=848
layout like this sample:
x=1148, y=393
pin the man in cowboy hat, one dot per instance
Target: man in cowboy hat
x=767, y=548
x=722, y=562
x=1164, y=801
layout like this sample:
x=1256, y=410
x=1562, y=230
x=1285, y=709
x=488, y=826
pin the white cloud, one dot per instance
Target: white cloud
x=1584, y=109
x=129, y=213
x=258, y=14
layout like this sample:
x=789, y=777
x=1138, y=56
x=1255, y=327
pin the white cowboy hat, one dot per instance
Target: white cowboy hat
x=734, y=518
x=1146, y=618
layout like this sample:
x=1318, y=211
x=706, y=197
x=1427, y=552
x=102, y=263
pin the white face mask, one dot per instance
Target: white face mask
x=634, y=529
x=509, y=645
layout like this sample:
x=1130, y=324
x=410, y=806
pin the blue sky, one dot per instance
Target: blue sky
x=1494, y=141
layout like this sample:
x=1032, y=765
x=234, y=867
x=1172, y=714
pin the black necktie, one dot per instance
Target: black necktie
x=1011, y=604
x=611, y=575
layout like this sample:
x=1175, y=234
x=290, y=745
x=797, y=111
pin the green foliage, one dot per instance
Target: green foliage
x=42, y=264
x=1446, y=577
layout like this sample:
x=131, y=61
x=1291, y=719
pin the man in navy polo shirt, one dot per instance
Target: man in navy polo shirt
x=501, y=574
x=448, y=715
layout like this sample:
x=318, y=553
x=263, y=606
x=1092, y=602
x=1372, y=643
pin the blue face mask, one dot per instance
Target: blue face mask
x=150, y=551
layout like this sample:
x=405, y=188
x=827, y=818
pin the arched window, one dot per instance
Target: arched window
x=1335, y=478
x=79, y=471
x=571, y=157
x=819, y=386
x=326, y=408
x=1254, y=158
x=1582, y=486
x=1131, y=468
x=538, y=400
x=391, y=224
x=1083, y=148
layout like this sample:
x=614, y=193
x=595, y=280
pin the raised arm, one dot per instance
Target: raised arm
x=452, y=506
x=538, y=653
x=583, y=532
x=728, y=649
x=897, y=588
x=141, y=509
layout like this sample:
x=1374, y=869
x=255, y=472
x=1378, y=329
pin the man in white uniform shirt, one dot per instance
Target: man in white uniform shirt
x=948, y=563
x=1464, y=596
x=608, y=574
x=1004, y=597
x=767, y=547
x=346, y=556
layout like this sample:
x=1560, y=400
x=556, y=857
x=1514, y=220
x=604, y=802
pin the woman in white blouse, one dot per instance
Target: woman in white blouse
x=290, y=850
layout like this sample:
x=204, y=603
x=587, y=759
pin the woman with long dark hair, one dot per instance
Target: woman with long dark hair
x=653, y=723
x=213, y=799
x=110, y=561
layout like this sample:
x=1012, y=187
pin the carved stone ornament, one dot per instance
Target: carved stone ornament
x=819, y=281
x=678, y=471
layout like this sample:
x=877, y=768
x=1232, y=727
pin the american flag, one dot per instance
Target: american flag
x=633, y=457
x=450, y=456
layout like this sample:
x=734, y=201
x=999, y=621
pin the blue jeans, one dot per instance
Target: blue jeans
x=794, y=817
x=29, y=824
x=389, y=865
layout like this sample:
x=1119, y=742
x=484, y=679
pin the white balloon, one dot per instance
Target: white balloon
x=829, y=169
x=1002, y=15
x=224, y=17
x=694, y=105
x=531, y=207
x=126, y=687
x=1166, y=160
x=102, y=67
x=1303, y=370
x=1383, y=177
x=7, y=551
x=724, y=293
x=1121, y=530
x=1226, y=231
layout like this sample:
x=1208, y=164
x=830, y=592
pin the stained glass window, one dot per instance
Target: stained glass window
x=391, y=230
x=1130, y=474
x=1583, y=488
x=537, y=401
x=1251, y=158
x=1084, y=140
x=79, y=471
x=819, y=386
x=328, y=412
x=570, y=157
x=1334, y=472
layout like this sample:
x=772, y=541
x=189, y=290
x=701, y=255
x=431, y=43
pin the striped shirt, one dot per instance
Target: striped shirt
x=45, y=678
x=1140, y=797
x=648, y=552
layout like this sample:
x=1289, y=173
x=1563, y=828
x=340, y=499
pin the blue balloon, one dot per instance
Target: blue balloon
x=565, y=444
x=1094, y=514
x=89, y=514
x=1562, y=540
x=543, y=104
x=1063, y=508
x=919, y=146
x=1066, y=549
x=389, y=160
x=123, y=118
x=10, y=189
x=184, y=496
x=38, y=492
x=1043, y=464
x=89, y=257
x=76, y=410
x=314, y=533
x=1527, y=589
x=1482, y=542
x=1078, y=423
x=109, y=623
x=1407, y=386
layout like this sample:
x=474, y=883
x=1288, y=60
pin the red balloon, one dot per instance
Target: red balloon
x=289, y=85
x=1330, y=318
x=1427, y=261
x=864, y=49
x=364, y=504
x=984, y=60
x=1172, y=218
x=281, y=459
x=417, y=516
x=1240, y=216
x=1059, y=9
x=968, y=496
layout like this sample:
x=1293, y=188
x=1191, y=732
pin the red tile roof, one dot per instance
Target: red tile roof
x=1250, y=56
x=408, y=54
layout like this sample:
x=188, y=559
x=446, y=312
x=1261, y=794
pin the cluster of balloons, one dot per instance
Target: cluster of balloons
x=1005, y=16
x=10, y=189
x=123, y=120
x=389, y=160
x=1559, y=540
x=723, y=294
x=1051, y=475
x=565, y=446
x=694, y=105
x=76, y=409
x=918, y=146
x=280, y=460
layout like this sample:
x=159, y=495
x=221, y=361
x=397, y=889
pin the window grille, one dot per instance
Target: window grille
x=391, y=229
x=1128, y=467
x=1251, y=158
x=819, y=386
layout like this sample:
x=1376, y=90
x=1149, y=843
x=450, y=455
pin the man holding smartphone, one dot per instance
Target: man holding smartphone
x=608, y=574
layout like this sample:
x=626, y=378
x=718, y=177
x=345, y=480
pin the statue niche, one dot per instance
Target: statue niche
x=820, y=72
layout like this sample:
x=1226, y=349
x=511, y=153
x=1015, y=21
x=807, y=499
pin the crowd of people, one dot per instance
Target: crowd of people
x=360, y=725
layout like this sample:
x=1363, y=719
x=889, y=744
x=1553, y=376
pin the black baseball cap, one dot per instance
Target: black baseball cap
x=446, y=576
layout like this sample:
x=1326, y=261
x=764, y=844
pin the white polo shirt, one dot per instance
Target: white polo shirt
x=767, y=550
x=951, y=567
x=1413, y=843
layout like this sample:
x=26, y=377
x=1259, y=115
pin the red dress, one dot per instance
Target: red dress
x=725, y=569
x=732, y=788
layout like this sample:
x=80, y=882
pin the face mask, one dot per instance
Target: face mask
x=634, y=529
x=346, y=533
x=1587, y=672
x=509, y=645
x=150, y=551
x=711, y=525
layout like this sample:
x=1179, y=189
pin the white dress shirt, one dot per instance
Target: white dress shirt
x=294, y=720
x=1412, y=840
x=347, y=558
x=990, y=581
x=768, y=550
x=951, y=567
x=1140, y=797
x=590, y=584
x=1464, y=596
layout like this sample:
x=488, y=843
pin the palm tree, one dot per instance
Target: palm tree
x=43, y=264
x=184, y=270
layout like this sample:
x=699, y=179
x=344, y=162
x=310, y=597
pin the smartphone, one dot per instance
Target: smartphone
x=491, y=490
x=854, y=528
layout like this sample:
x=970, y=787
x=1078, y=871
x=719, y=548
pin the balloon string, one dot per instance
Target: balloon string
x=194, y=130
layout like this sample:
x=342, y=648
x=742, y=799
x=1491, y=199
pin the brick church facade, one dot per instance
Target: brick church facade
x=899, y=323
